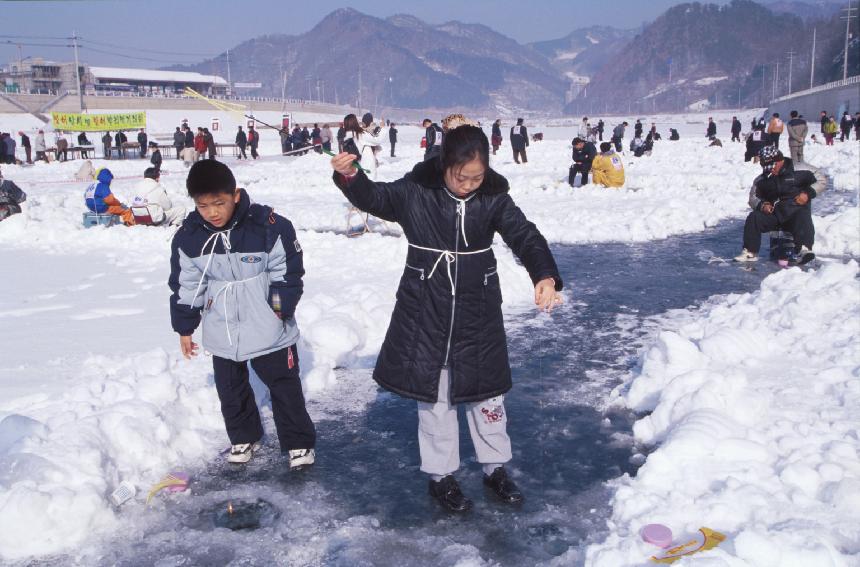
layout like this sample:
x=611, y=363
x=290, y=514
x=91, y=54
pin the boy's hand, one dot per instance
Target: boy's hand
x=342, y=163
x=802, y=198
x=545, y=296
x=188, y=347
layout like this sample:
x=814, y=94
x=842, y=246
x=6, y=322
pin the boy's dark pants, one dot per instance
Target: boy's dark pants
x=582, y=168
x=294, y=425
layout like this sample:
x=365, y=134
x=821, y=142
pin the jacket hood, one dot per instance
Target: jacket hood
x=429, y=174
x=105, y=176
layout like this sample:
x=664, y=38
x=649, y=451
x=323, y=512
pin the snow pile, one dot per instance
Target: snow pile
x=838, y=233
x=753, y=406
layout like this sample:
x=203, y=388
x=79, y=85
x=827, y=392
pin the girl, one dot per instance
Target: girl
x=364, y=141
x=446, y=341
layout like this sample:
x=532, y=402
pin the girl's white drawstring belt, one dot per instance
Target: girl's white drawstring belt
x=450, y=257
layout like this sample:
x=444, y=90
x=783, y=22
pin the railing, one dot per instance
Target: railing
x=835, y=84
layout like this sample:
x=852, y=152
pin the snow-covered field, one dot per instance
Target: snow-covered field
x=95, y=392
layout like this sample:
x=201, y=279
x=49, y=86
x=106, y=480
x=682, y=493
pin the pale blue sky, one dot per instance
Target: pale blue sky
x=187, y=30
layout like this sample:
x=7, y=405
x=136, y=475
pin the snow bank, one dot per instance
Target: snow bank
x=753, y=408
x=838, y=233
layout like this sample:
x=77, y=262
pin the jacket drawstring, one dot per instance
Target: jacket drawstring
x=225, y=240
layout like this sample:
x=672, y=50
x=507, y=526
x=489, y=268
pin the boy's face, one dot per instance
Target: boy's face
x=217, y=208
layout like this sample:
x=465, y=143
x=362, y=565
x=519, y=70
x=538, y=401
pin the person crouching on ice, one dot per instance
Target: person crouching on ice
x=237, y=268
x=100, y=200
x=446, y=341
x=780, y=200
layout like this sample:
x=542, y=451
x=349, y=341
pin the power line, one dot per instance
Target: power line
x=28, y=44
x=96, y=50
x=117, y=46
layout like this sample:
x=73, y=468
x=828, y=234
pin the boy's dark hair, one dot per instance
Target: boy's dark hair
x=209, y=177
x=426, y=121
x=519, y=121
x=793, y=114
x=605, y=146
x=462, y=145
x=577, y=140
x=776, y=114
x=151, y=173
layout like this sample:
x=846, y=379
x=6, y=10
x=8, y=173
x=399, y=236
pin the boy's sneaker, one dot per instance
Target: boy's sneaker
x=242, y=452
x=503, y=486
x=448, y=493
x=301, y=458
x=746, y=256
x=804, y=256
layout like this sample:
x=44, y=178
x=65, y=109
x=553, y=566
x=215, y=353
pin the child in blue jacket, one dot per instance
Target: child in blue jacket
x=236, y=267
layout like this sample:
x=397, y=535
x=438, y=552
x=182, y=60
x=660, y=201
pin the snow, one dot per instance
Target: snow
x=705, y=81
x=95, y=391
x=153, y=75
x=751, y=404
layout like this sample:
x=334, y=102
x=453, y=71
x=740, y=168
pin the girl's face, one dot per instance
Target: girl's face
x=464, y=180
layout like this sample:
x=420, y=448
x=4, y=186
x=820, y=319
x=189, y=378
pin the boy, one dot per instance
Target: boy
x=237, y=268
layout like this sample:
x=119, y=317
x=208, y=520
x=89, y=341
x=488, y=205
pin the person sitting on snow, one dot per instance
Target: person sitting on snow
x=780, y=200
x=583, y=154
x=11, y=197
x=86, y=172
x=673, y=135
x=607, y=167
x=99, y=199
x=152, y=195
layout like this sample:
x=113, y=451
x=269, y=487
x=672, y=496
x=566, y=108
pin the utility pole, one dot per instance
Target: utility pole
x=229, y=81
x=847, y=17
x=359, y=88
x=790, y=65
x=761, y=92
x=308, y=81
x=775, y=81
x=812, y=65
x=323, y=91
x=283, y=88
x=318, y=89
x=739, y=97
x=78, y=71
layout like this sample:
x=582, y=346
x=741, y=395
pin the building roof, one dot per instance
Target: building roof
x=118, y=73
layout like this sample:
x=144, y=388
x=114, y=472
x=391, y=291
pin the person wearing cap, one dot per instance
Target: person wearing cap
x=607, y=167
x=519, y=141
x=797, y=130
x=155, y=159
x=583, y=155
x=152, y=195
x=780, y=200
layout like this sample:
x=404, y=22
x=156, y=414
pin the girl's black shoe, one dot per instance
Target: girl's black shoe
x=448, y=493
x=503, y=486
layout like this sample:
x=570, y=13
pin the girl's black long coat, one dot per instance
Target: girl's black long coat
x=431, y=327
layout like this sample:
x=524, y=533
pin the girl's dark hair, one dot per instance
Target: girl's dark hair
x=464, y=144
x=350, y=124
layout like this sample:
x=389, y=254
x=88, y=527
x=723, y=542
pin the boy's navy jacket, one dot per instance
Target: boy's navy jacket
x=231, y=276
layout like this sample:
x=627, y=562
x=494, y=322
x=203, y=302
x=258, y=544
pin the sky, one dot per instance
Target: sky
x=187, y=31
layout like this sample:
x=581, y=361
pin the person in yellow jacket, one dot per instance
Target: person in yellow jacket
x=607, y=168
x=830, y=130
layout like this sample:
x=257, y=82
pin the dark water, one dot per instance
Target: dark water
x=366, y=503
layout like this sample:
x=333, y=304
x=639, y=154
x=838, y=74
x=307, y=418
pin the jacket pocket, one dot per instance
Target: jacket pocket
x=407, y=317
x=261, y=328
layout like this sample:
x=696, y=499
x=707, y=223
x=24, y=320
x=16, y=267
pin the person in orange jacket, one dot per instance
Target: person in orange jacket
x=100, y=200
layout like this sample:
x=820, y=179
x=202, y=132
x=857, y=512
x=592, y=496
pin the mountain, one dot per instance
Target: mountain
x=583, y=52
x=821, y=10
x=399, y=61
x=707, y=55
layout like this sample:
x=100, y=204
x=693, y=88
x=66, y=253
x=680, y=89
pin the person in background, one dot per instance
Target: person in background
x=120, y=138
x=496, y=137
x=712, y=129
x=62, y=147
x=100, y=200
x=392, y=137
x=142, y=140
x=253, y=141
x=316, y=138
x=199, y=144
x=341, y=133
x=150, y=193
x=10, y=144
x=830, y=130
x=11, y=197
x=364, y=142
x=607, y=167
x=797, y=130
x=756, y=140
x=780, y=199
x=325, y=135
x=86, y=172
x=673, y=135
x=584, y=128
x=637, y=129
x=286, y=145
x=179, y=141
x=845, y=125
x=824, y=120
x=107, y=142
x=209, y=140
x=155, y=158
x=583, y=155
x=25, y=143
x=736, y=129
x=242, y=142
x=82, y=143
x=189, y=138
x=600, y=127
x=433, y=137
x=618, y=136
x=775, y=128
x=519, y=137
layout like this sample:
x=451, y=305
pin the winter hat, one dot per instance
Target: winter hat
x=209, y=176
x=768, y=156
x=455, y=121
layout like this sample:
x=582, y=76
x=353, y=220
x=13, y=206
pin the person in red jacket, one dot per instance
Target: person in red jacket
x=199, y=143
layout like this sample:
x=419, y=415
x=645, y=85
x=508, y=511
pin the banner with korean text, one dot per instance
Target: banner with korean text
x=98, y=122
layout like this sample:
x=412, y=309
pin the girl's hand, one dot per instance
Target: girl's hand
x=342, y=163
x=545, y=296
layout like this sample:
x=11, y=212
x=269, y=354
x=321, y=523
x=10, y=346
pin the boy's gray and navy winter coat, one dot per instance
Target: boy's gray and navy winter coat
x=232, y=276
x=449, y=305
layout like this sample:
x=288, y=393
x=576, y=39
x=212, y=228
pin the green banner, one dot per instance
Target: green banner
x=98, y=122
